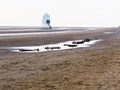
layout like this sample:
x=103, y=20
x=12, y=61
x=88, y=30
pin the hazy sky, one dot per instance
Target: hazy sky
x=63, y=12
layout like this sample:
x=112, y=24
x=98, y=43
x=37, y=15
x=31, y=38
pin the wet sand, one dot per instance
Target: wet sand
x=92, y=68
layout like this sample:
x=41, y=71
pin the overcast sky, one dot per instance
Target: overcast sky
x=82, y=13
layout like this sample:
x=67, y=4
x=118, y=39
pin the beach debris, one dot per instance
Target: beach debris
x=52, y=48
x=23, y=49
x=87, y=40
x=78, y=42
x=70, y=45
x=83, y=41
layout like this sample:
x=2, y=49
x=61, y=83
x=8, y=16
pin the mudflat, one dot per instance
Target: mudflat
x=91, y=68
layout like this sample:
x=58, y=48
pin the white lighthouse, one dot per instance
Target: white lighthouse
x=46, y=21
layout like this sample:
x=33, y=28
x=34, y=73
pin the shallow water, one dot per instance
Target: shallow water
x=109, y=32
x=33, y=49
x=32, y=33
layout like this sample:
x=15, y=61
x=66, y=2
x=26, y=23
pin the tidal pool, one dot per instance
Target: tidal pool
x=52, y=47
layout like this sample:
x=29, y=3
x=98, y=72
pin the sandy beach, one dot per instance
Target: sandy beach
x=91, y=68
